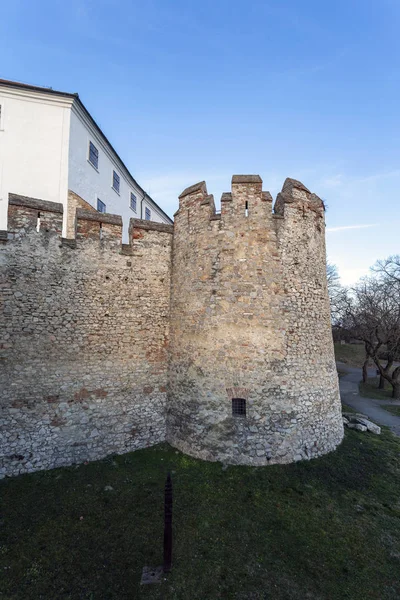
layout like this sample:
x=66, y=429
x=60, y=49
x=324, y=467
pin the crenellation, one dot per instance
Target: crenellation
x=244, y=309
x=108, y=347
x=27, y=214
x=35, y=203
x=150, y=225
x=75, y=202
x=266, y=197
x=102, y=227
x=192, y=196
x=246, y=202
x=226, y=197
x=84, y=345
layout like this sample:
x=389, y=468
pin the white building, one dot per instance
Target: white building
x=50, y=145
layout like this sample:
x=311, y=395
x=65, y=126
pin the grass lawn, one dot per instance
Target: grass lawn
x=347, y=409
x=394, y=409
x=351, y=354
x=371, y=390
x=320, y=530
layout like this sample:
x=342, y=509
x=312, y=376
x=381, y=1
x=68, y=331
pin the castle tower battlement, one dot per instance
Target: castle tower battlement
x=213, y=334
x=250, y=326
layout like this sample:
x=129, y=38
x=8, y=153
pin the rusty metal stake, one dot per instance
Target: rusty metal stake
x=168, y=525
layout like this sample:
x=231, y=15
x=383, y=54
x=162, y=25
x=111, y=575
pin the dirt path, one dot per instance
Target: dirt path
x=369, y=406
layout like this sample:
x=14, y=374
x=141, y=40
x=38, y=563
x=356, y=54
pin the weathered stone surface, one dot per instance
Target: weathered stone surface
x=353, y=419
x=357, y=426
x=83, y=341
x=372, y=427
x=93, y=344
x=250, y=319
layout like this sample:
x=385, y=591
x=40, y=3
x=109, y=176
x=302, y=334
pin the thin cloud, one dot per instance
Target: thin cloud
x=345, y=227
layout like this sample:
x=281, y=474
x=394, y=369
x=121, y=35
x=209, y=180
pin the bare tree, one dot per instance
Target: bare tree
x=389, y=269
x=373, y=313
x=337, y=294
x=388, y=273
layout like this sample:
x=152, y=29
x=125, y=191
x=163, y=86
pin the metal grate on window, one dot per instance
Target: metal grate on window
x=133, y=202
x=147, y=214
x=116, y=181
x=238, y=407
x=93, y=155
x=101, y=207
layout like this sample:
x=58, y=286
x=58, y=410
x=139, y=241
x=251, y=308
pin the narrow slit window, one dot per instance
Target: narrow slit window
x=38, y=222
x=246, y=209
x=238, y=407
x=101, y=231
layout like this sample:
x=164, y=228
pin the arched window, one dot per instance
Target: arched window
x=238, y=407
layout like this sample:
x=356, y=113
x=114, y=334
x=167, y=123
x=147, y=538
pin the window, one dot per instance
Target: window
x=115, y=183
x=93, y=155
x=133, y=202
x=101, y=207
x=147, y=214
x=238, y=407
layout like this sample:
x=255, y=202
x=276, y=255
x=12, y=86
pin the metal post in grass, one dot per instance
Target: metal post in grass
x=168, y=525
x=155, y=574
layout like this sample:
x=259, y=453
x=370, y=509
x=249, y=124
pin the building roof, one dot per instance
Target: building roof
x=75, y=97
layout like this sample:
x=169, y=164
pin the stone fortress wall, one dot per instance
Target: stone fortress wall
x=83, y=357
x=108, y=347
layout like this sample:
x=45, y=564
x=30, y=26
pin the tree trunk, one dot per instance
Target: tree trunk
x=396, y=390
x=384, y=372
x=365, y=370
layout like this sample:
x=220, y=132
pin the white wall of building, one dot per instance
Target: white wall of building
x=34, y=141
x=44, y=151
x=91, y=183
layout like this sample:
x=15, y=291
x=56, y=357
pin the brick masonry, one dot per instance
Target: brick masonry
x=108, y=347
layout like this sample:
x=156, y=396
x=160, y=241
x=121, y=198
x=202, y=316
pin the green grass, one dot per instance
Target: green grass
x=392, y=408
x=347, y=409
x=328, y=529
x=371, y=390
x=351, y=354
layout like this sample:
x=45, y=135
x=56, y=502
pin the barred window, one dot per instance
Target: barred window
x=147, y=214
x=116, y=180
x=238, y=407
x=133, y=202
x=101, y=207
x=93, y=155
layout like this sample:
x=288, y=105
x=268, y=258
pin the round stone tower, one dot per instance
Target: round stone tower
x=252, y=377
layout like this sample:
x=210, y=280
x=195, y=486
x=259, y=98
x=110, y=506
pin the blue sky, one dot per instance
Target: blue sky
x=201, y=90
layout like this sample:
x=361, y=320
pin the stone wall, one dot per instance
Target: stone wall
x=83, y=351
x=233, y=305
x=250, y=320
x=75, y=202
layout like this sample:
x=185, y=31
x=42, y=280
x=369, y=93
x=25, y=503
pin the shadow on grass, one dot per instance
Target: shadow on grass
x=324, y=529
